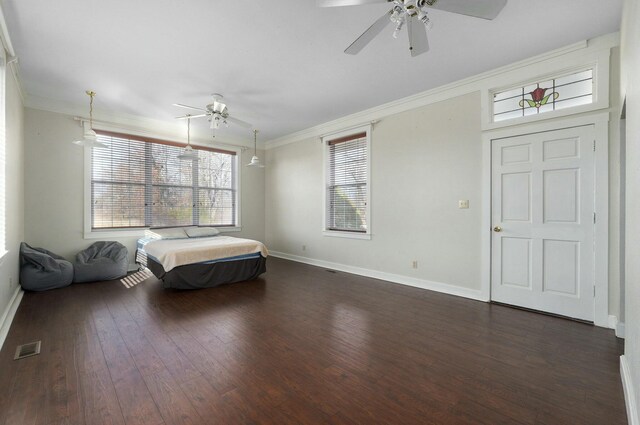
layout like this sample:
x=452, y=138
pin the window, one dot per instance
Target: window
x=558, y=93
x=139, y=182
x=347, y=189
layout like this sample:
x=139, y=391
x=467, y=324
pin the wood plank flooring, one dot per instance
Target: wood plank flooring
x=301, y=345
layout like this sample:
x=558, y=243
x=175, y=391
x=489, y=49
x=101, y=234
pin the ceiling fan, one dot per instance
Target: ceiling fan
x=216, y=112
x=414, y=14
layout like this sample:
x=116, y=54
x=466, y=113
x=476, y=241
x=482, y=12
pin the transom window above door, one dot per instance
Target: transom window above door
x=566, y=91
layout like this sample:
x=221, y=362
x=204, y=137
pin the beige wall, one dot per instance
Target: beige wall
x=54, y=187
x=422, y=162
x=9, y=270
x=614, y=187
x=630, y=89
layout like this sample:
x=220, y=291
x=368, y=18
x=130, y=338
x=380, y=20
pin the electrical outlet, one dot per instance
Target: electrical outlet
x=414, y=264
x=463, y=204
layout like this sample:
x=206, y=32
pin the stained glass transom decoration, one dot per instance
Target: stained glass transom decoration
x=546, y=96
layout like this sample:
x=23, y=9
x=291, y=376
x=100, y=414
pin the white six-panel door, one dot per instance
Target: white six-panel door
x=542, y=254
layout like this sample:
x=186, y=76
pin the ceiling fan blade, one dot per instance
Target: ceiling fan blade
x=334, y=3
x=180, y=105
x=239, y=122
x=369, y=34
x=184, y=117
x=418, y=41
x=485, y=9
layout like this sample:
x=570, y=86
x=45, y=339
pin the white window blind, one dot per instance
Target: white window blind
x=140, y=182
x=347, y=193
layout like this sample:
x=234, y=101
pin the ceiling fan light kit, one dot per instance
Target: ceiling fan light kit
x=90, y=138
x=216, y=113
x=414, y=14
x=217, y=121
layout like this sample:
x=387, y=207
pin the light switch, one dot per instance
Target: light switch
x=463, y=204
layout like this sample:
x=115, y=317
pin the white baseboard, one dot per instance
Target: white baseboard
x=620, y=330
x=9, y=313
x=616, y=325
x=629, y=392
x=613, y=322
x=474, y=294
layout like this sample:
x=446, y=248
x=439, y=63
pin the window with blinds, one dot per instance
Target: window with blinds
x=347, y=191
x=139, y=182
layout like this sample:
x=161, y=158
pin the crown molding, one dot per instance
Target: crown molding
x=4, y=35
x=448, y=91
x=15, y=71
x=11, y=60
x=172, y=130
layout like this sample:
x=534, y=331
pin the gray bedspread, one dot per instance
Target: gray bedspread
x=208, y=275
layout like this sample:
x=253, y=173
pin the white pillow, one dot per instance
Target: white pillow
x=168, y=233
x=201, y=232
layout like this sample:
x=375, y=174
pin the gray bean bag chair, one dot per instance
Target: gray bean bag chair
x=41, y=270
x=101, y=261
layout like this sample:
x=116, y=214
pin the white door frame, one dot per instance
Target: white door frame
x=600, y=121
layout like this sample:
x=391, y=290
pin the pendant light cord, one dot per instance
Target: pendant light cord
x=255, y=142
x=91, y=94
x=188, y=130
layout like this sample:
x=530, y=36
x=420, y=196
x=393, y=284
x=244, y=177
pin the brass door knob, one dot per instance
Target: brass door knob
x=497, y=229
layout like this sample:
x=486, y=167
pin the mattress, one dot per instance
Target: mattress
x=202, y=262
x=172, y=253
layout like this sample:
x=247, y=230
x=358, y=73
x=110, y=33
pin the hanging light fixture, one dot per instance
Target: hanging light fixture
x=188, y=154
x=90, y=138
x=255, y=161
x=215, y=121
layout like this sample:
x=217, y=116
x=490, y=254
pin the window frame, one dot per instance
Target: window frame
x=327, y=178
x=90, y=233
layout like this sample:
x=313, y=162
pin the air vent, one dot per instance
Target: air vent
x=27, y=350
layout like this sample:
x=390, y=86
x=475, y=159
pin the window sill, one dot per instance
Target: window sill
x=347, y=235
x=229, y=229
x=101, y=234
x=138, y=233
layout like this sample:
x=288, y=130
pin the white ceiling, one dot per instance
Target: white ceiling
x=279, y=64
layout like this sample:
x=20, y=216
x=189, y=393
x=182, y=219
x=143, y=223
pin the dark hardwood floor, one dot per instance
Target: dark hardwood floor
x=301, y=345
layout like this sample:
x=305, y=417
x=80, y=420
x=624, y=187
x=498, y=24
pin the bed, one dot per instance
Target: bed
x=204, y=260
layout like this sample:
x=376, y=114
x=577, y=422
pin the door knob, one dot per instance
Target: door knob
x=497, y=229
